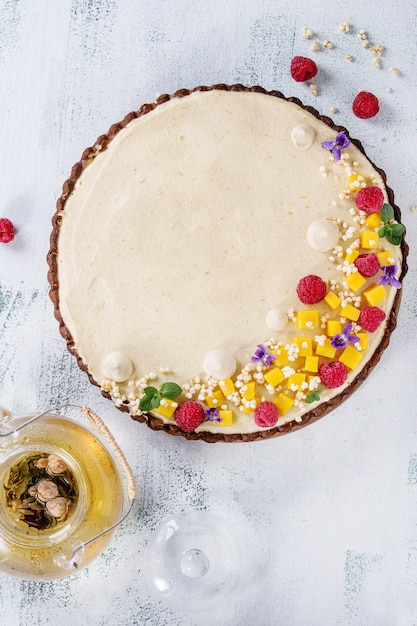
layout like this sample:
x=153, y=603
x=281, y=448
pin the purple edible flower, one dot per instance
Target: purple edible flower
x=262, y=355
x=337, y=145
x=212, y=415
x=341, y=340
x=389, y=276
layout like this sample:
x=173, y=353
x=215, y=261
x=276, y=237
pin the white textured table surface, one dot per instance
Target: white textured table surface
x=330, y=512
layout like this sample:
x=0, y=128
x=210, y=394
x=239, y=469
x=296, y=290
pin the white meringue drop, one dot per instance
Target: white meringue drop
x=303, y=136
x=323, y=235
x=276, y=319
x=117, y=366
x=219, y=364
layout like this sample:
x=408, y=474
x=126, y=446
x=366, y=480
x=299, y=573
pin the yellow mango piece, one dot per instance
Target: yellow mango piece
x=350, y=312
x=297, y=380
x=307, y=319
x=326, y=349
x=369, y=239
x=226, y=418
x=249, y=392
x=282, y=356
x=351, y=256
x=215, y=400
x=355, y=281
x=385, y=257
x=305, y=344
x=283, y=403
x=332, y=300
x=334, y=327
x=373, y=295
x=363, y=337
x=356, y=181
x=274, y=376
x=167, y=410
x=373, y=220
x=227, y=386
x=312, y=364
x=351, y=357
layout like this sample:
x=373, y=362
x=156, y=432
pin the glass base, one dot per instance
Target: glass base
x=192, y=561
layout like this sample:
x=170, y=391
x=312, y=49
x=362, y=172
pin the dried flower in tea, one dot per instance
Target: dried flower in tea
x=40, y=490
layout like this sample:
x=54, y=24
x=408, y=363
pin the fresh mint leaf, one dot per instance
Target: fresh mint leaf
x=387, y=213
x=382, y=231
x=151, y=399
x=394, y=233
x=170, y=390
x=312, y=396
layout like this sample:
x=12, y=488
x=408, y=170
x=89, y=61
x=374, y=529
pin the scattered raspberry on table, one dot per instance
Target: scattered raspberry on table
x=302, y=68
x=7, y=231
x=365, y=105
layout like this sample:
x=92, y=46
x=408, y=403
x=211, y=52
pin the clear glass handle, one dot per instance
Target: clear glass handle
x=78, y=548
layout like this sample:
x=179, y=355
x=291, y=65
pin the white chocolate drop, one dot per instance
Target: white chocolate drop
x=303, y=136
x=323, y=235
x=276, y=319
x=220, y=364
x=117, y=366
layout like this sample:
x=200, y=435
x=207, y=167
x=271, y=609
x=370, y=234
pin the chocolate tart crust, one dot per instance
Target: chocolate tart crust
x=153, y=422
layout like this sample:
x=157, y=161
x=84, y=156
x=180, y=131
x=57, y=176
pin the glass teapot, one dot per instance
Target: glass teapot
x=64, y=488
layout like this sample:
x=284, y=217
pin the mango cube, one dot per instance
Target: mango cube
x=369, y=239
x=307, y=319
x=312, y=364
x=227, y=386
x=350, y=312
x=351, y=256
x=385, y=257
x=249, y=392
x=373, y=220
x=332, y=300
x=355, y=281
x=373, y=295
x=226, y=418
x=296, y=380
x=334, y=327
x=326, y=349
x=351, y=357
x=305, y=344
x=167, y=410
x=274, y=376
x=283, y=403
x=356, y=181
x=215, y=400
x=363, y=340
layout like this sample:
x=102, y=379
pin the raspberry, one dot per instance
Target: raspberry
x=266, y=414
x=303, y=68
x=311, y=289
x=365, y=105
x=367, y=264
x=189, y=416
x=371, y=317
x=6, y=230
x=333, y=374
x=370, y=199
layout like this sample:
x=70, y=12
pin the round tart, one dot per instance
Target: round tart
x=229, y=248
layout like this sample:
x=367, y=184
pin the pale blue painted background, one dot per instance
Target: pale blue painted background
x=330, y=513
